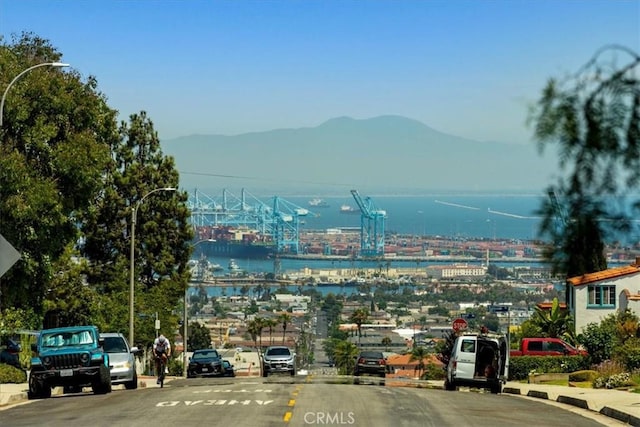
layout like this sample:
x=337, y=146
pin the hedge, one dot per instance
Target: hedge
x=520, y=367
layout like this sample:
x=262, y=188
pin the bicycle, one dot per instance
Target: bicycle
x=161, y=366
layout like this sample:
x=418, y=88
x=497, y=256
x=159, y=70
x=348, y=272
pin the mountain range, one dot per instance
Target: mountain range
x=380, y=155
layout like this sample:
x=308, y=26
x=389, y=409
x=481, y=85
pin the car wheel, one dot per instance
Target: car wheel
x=38, y=390
x=496, y=388
x=449, y=385
x=133, y=384
x=103, y=386
x=293, y=372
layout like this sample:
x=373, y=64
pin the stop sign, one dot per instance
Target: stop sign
x=459, y=324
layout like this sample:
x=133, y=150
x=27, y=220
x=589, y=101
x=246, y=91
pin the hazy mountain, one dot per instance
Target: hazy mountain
x=381, y=155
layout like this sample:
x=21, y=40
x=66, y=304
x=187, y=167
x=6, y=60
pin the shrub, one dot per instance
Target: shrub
x=11, y=374
x=613, y=381
x=521, y=366
x=433, y=371
x=583, y=376
x=175, y=366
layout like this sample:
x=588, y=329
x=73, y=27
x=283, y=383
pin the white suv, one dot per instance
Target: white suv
x=278, y=359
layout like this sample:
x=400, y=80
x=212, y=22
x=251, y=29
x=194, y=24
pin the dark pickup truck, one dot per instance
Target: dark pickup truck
x=546, y=347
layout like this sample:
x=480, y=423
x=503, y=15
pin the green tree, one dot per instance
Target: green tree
x=419, y=354
x=285, y=319
x=199, y=337
x=593, y=119
x=359, y=316
x=56, y=137
x=162, y=233
x=554, y=323
x=345, y=354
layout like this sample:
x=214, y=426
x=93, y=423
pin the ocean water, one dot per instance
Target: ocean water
x=472, y=216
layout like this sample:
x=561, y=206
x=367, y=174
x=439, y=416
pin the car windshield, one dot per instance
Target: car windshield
x=371, y=355
x=61, y=339
x=115, y=345
x=205, y=354
x=278, y=352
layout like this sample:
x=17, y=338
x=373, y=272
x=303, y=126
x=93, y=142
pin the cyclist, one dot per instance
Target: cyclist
x=161, y=352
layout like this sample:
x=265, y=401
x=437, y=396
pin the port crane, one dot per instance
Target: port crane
x=371, y=226
x=277, y=218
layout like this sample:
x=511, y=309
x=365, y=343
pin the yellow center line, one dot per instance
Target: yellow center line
x=287, y=417
x=292, y=402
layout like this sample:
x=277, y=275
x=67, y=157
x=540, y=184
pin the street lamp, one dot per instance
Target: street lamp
x=134, y=213
x=45, y=64
x=185, y=318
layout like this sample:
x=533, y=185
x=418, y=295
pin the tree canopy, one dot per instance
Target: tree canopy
x=71, y=179
x=593, y=118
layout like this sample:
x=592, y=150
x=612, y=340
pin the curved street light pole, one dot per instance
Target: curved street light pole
x=134, y=213
x=44, y=64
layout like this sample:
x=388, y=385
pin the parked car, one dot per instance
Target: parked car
x=10, y=354
x=228, y=369
x=278, y=359
x=70, y=357
x=122, y=360
x=546, y=347
x=370, y=362
x=205, y=362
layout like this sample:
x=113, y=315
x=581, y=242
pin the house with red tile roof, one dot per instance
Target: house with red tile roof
x=402, y=366
x=593, y=296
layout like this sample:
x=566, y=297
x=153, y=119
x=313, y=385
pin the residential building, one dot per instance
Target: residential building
x=593, y=296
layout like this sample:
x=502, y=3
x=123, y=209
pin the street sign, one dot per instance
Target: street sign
x=459, y=324
x=8, y=255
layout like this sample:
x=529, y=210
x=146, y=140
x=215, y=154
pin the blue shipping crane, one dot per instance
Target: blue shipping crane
x=371, y=226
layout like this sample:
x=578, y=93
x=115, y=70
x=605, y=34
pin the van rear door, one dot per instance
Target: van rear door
x=466, y=357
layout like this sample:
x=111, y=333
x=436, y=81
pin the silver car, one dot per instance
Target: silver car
x=278, y=359
x=122, y=361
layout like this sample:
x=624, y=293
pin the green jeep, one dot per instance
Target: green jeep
x=71, y=358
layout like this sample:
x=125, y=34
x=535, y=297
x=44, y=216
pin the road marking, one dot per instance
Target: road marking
x=287, y=416
x=173, y=403
x=258, y=390
x=292, y=402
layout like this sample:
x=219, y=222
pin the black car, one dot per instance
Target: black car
x=205, y=362
x=228, y=369
x=370, y=362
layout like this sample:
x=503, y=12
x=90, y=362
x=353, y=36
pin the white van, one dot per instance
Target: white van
x=478, y=360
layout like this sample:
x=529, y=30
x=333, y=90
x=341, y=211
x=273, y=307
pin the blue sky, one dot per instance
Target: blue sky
x=468, y=68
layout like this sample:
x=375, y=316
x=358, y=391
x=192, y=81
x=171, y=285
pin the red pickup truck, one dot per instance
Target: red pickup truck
x=546, y=347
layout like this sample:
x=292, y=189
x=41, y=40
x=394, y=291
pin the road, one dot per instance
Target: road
x=299, y=401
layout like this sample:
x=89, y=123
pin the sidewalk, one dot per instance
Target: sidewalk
x=620, y=405
x=15, y=393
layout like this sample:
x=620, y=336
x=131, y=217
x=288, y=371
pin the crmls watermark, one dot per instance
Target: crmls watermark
x=329, y=418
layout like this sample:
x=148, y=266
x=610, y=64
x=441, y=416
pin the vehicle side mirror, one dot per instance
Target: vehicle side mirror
x=135, y=350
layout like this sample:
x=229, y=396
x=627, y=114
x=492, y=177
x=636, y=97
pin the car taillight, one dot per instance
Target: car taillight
x=383, y=362
x=361, y=360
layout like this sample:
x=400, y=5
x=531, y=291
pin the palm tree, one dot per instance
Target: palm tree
x=419, y=353
x=359, y=316
x=270, y=323
x=345, y=357
x=285, y=318
x=255, y=329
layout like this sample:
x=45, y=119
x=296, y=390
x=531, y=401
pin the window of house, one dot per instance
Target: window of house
x=601, y=296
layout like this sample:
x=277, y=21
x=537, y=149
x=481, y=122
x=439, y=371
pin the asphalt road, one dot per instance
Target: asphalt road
x=281, y=400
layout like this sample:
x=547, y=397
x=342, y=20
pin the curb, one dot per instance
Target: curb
x=620, y=416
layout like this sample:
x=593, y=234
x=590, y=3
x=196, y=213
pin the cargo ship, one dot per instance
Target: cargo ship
x=230, y=242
